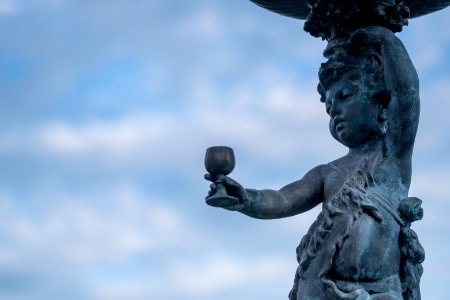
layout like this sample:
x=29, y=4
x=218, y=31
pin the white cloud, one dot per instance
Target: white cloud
x=115, y=139
x=205, y=278
x=93, y=229
x=432, y=184
x=427, y=50
x=7, y=7
x=205, y=24
x=104, y=232
x=12, y=7
x=294, y=102
x=278, y=119
x=216, y=274
x=223, y=84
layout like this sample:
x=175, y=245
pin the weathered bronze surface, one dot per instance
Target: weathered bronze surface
x=361, y=245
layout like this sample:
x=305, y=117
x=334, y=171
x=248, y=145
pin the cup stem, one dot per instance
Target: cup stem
x=221, y=198
x=220, y=189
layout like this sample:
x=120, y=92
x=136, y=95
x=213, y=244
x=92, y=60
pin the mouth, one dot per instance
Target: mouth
x=339, y=124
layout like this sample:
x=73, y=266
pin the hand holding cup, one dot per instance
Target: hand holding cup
x=219, y=162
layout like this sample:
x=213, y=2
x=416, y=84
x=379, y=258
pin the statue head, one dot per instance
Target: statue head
x=353, y=89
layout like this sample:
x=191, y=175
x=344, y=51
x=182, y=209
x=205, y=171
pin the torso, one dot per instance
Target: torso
x=362, y=248
x=371, y=251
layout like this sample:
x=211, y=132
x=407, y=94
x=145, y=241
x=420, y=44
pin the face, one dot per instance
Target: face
x=353, y=114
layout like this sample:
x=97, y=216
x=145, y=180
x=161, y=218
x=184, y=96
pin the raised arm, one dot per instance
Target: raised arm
x=403, y=84
x=294, y=198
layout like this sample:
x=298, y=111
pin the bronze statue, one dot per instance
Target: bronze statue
x=361, y=245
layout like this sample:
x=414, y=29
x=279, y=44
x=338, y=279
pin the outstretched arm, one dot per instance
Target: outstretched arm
x=294, y=198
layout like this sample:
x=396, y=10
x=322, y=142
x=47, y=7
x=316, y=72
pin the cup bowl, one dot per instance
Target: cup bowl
x=219, y=160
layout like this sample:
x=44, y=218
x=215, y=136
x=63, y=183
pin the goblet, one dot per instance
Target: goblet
x=219, y=160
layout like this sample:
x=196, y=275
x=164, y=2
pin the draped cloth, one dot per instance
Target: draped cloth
x=334, y=262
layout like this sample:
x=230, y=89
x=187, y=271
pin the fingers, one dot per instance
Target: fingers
x=213, y=188
x=220, y=178
x=372, y=35
x=228, y=181
x=216, y=178
x=234, y=188
x=226, y=185
x=361, y=36
x=212, y=191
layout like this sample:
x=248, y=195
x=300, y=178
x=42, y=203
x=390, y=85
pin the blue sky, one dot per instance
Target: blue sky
x=106, y=110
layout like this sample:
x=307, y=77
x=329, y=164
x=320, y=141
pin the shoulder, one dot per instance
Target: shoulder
x=320, y=169
x=337, y=165
x=324, y=170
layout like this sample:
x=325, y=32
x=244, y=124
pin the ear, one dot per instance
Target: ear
x=382, y=119
x=374, y=61
x=382, y=115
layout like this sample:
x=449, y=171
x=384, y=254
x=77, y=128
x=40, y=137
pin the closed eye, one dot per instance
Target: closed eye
x=346, y=95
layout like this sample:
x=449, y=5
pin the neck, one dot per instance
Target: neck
x=365, y=149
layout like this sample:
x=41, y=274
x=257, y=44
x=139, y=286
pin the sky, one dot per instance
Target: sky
x=106, y=110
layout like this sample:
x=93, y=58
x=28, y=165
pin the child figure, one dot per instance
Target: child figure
x=371, y=93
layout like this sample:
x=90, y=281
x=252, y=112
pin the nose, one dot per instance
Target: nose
x=335, y=108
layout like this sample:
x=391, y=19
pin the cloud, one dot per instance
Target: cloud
x=8, y=7
x=116, y=139
x=427, y=51
x=91, y=229
x=275, y=115
x=93, y=235
x=432, y=183
x=103, y=137
x=119, y=242
x=216, y=274
x=206, y=278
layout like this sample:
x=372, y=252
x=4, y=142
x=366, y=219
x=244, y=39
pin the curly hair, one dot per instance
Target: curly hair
x=331, y=18
x=361, y=65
